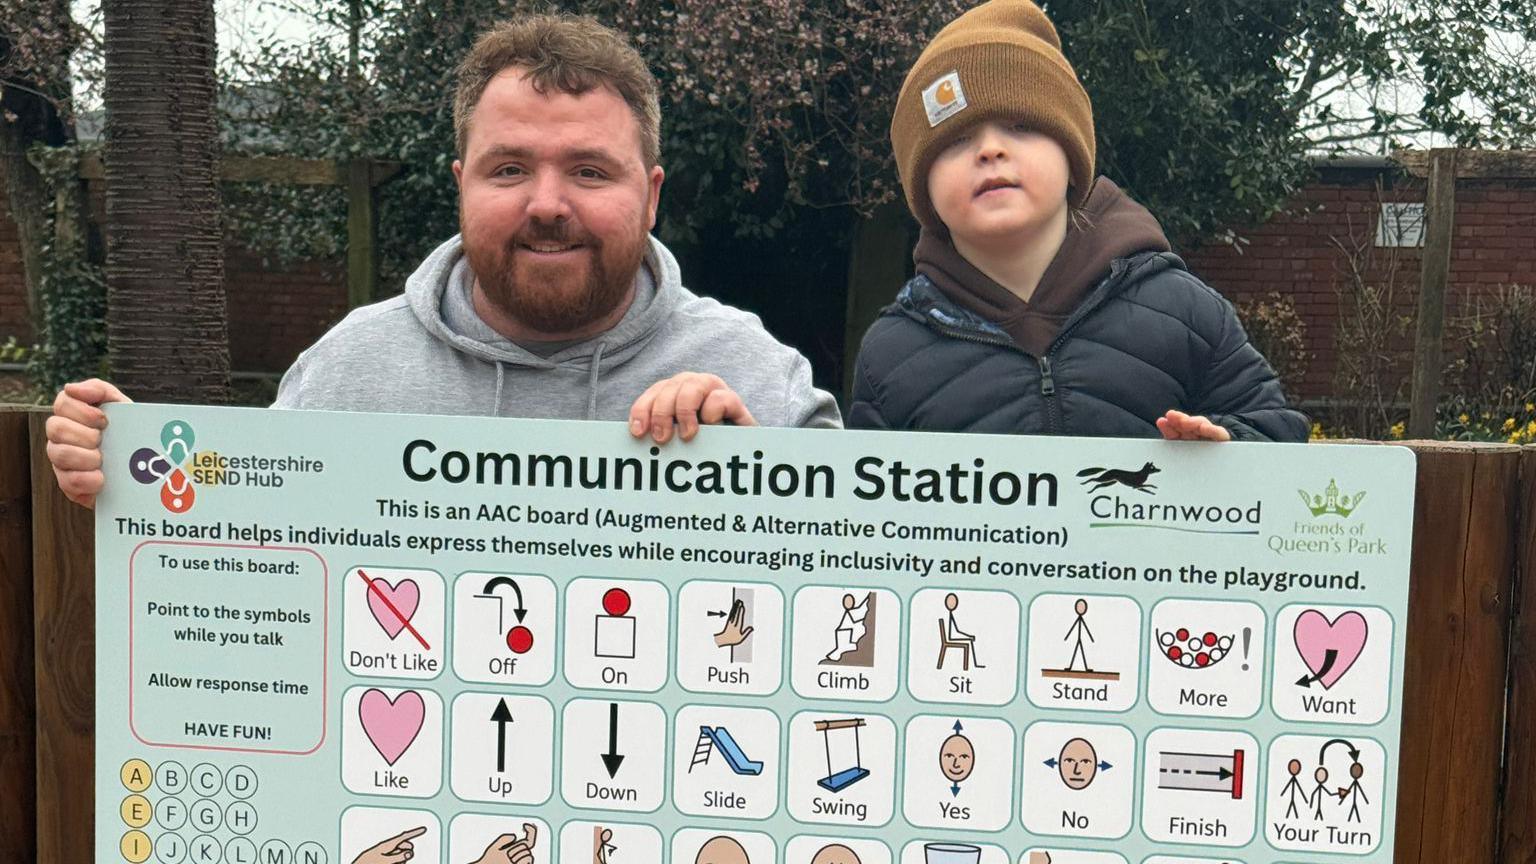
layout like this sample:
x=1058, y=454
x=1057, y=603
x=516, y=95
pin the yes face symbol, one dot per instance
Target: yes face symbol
x=956, y=758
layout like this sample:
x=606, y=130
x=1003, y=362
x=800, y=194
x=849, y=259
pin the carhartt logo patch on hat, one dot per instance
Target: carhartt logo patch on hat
x=944, y=99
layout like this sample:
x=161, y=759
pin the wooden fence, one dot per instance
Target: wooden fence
x=1467, y=779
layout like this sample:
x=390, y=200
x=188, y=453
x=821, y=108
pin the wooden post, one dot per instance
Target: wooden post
x=18, y=707
x=877, y=267
x=1518, y=842
x=64, y=636
x=362, y=178
x=1457, y=630
x=1429, y=349
x=362, y=234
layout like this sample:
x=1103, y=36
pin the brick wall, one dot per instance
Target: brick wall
x=1300, y=254
x=275, y=311
x=14, y=320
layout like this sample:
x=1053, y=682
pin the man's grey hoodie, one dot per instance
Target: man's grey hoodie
x=427, y=352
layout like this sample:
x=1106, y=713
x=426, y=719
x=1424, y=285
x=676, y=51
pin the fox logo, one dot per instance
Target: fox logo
x=1137, y=480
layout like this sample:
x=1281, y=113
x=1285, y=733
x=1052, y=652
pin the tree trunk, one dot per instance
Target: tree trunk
x=167, y=337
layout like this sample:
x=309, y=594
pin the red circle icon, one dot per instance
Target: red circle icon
x=520, y=639
x=616, y=601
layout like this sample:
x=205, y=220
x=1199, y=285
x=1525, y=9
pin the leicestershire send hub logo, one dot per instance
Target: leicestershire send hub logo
x=167, y=466
x=181, y=472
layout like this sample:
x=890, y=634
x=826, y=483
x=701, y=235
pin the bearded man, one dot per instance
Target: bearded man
x=553, y=301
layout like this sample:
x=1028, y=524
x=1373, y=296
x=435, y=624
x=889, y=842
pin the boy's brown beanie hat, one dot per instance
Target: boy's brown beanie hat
x=1000, y=60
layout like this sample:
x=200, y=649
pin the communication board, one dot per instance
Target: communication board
x=371, y=639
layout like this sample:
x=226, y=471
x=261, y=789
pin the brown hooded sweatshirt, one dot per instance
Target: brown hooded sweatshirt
x=1115, y=227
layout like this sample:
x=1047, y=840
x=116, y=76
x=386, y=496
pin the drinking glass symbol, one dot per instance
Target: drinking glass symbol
x=614, y=629
x=951, y=853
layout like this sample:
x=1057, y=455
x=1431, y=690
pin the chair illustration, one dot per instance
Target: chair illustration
x=965, y=646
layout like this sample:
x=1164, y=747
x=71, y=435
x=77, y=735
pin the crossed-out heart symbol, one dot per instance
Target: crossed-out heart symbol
x=1329, y=648
x=392, y=724
x=393, y=605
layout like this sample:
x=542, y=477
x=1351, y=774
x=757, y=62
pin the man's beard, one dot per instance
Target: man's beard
x=555, y=299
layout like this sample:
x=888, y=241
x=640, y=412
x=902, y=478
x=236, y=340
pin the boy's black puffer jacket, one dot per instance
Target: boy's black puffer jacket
x=1149, y=337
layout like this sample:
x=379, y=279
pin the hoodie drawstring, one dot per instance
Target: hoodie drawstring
x=597, y=358
x=500, y=377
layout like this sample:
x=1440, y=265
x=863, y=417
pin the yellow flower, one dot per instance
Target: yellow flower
x=1530, y=407
x=1463, y=418
x=1509, y=423
x=1398, y=429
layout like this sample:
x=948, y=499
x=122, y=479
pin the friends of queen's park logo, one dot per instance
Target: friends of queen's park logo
x=1331, y=502
x=168, y=466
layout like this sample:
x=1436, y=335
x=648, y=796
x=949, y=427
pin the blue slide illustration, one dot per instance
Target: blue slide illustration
x=726, y=746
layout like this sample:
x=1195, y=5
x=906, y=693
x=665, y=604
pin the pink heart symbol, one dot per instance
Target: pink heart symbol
x=392, y=724
x=403, y=597
x=1329, y=648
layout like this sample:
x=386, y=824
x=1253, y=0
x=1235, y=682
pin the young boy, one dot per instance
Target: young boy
x=1044, y=302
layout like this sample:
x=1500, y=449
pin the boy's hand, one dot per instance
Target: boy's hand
x=688, y=399
x=74, y=438
x=1178, y=426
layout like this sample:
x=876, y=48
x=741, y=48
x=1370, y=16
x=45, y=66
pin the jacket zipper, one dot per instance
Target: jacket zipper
x=1048, y=390
x=1047, y=379
x=1047, y=382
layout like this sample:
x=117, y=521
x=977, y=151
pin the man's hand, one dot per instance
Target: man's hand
x=511, y=848
x=74, y=438
x=1178, y=426
x=687, y=399
x=391, y=850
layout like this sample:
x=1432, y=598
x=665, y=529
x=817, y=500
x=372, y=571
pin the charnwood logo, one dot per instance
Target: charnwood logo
x=1102, y=477
x=1117, y=509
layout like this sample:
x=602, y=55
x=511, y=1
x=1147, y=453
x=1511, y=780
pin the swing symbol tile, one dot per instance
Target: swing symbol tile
x=839, y=771
x=838, y=780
